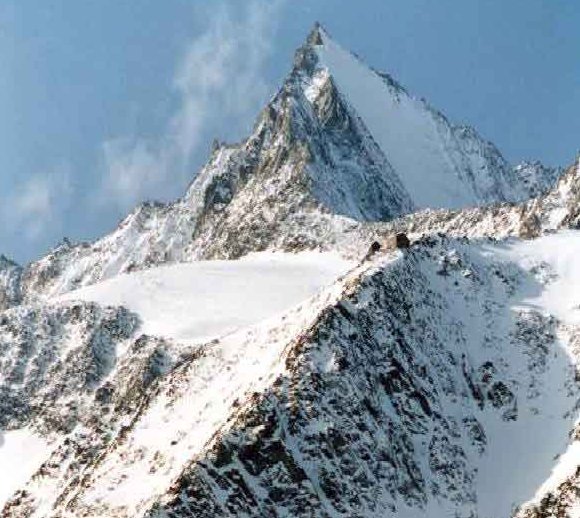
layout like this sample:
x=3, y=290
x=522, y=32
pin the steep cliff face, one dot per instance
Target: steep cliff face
x=559, y=208
x=536, y=177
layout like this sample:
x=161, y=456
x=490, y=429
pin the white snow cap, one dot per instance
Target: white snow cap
x=440, y=165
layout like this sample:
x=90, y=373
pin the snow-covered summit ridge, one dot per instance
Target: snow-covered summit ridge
x=441, y=165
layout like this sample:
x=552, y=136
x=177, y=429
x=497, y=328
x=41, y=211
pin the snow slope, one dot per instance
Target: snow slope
x=554, y=259
x=21, y=453
x=202, y=300
x=558, y=252
x=543, y=280
x=440, y=165
x=190, y=410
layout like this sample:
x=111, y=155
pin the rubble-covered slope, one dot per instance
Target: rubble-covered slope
x=71, y=375
x=51, y=355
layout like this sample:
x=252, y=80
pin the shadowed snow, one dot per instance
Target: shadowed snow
x=533, y=454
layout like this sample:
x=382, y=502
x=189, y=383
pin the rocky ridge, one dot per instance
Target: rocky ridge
x=387, y=393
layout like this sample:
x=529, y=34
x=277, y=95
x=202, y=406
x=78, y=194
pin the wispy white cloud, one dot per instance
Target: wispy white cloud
x=37, y=204
x=135, y=168
x=222, y=74
x=220, y=83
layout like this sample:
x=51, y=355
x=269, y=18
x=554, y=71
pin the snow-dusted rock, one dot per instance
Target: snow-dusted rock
x=10, y=274
x=437, y=381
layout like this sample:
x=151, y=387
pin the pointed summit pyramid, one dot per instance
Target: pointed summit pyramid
x=440, y=165
x=339, y=145
x=315, y=37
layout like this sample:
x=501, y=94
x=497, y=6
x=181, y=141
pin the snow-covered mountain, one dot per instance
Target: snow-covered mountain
x=439, y=164
x=149, y=374
x=339, y=144
x=438, y=381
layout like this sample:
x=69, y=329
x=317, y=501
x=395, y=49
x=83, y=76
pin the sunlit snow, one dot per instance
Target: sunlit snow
x=21, y=454
x=561, y=252
x=205, y=299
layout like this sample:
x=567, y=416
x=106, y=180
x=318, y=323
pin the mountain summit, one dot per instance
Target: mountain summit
x=440, y=165
x=258, y=348
x=338, y=144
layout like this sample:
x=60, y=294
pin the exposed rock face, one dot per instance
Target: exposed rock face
x=10, y=274
x=75, y=373
x=561, y=501
x=396, y=391
x=537, y=178
x=51, y=356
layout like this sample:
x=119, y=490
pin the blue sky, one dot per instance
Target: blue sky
x=108, y=103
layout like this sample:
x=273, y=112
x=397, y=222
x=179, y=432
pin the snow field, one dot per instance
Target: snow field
x=21, y=453
x=198, y=301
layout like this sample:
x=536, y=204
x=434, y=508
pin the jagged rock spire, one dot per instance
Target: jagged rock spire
x=316, y=35
x=305, y=58
x=6, y=262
